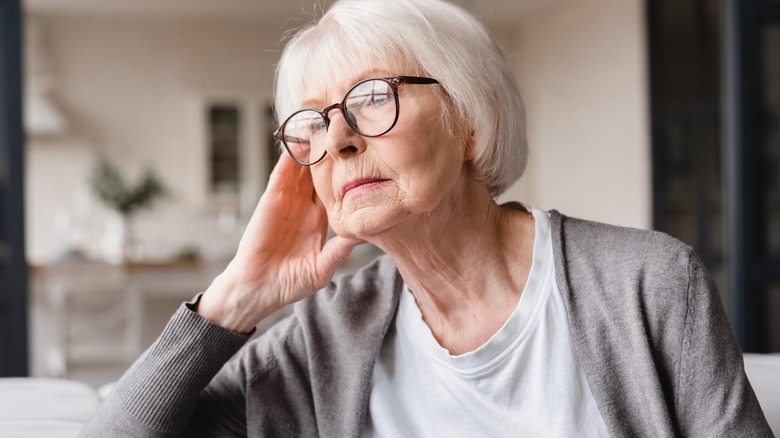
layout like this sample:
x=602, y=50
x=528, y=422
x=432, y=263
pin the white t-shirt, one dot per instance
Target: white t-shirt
x=526, y=380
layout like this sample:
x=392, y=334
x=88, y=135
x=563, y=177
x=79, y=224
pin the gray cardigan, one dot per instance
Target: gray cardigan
x=646, y=318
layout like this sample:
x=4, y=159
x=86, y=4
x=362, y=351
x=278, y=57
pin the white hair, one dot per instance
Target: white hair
x=426, y=37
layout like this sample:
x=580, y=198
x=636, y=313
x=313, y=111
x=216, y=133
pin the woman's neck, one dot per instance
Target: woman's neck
x=466, y=263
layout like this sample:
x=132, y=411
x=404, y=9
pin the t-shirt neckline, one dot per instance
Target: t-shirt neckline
x=514, y=330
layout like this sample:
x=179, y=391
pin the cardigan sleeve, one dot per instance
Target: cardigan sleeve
x=715, y=396
x=159, y=395
x=308, y=375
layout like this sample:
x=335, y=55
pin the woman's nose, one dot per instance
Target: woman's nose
x=341, y=140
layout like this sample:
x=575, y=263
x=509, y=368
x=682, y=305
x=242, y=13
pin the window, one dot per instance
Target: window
x=224, y=126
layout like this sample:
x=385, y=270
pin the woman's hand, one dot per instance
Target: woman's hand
x=282, y=256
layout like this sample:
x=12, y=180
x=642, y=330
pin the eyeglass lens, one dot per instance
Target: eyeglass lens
x=370, y=109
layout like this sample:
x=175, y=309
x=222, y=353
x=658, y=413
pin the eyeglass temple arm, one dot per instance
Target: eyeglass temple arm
x=416, y=80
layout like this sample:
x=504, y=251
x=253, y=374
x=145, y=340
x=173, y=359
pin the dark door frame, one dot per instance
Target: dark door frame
x=13, y=264
x=743, y=24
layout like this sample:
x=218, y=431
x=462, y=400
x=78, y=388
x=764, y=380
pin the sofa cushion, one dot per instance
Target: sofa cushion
x=763, y=371
x=36, y=407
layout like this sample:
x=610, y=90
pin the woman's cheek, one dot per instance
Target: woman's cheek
x=330, y=204
x=322, y=187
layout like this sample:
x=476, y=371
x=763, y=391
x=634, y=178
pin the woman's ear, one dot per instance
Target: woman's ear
x=470, y=153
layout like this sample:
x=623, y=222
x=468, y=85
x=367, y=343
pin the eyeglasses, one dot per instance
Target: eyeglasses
x=370, y=108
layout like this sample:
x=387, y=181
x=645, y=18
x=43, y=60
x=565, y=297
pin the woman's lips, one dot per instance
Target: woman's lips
x=360, y=185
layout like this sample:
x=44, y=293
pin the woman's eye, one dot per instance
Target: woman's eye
x=318, y=126
x=378, y=99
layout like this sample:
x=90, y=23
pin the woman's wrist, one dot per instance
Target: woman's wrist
x=234, y=306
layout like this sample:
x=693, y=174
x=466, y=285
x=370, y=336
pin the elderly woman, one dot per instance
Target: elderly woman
x=403, y=123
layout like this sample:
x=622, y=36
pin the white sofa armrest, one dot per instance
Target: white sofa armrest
x=763, y=371
x=35, y=407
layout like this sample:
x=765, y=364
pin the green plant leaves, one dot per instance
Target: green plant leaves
x=109, y=187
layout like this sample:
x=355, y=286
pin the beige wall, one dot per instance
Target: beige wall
x=582, y=70
x=133, y=92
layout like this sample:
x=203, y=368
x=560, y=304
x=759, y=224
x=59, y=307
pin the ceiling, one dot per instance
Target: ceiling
x=493, y=12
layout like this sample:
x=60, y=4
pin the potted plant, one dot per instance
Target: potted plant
x=109, y=186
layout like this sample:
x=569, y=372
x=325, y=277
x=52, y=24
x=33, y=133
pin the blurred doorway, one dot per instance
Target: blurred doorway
x=715, y=91
x=13, y=270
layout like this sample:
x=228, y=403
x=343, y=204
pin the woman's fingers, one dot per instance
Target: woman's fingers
x=290, y=177
x=333, y=254
x=285, y=178
x=286, y=200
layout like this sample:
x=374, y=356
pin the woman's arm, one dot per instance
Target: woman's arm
x=282, y=258
x=157, y=395
x=715, y=396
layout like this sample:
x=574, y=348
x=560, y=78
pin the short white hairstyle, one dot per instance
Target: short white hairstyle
x=424, y=37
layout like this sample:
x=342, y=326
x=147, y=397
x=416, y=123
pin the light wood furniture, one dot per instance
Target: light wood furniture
x=95, y=313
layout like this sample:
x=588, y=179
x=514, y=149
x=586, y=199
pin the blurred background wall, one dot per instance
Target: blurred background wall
x=582, y=68
x=135, y=92
x=134, y=87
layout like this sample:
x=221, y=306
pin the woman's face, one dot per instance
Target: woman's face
x=370, y=185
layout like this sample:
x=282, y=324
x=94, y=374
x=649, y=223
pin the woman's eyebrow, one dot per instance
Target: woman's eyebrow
x=371, y=73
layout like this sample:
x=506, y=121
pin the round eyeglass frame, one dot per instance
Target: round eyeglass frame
x=394, y=83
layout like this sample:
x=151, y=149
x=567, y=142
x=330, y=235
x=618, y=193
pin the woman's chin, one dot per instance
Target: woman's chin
x=366, y=225
x=365, y=232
